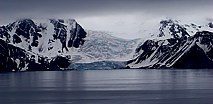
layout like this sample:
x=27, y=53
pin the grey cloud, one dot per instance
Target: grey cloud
x=111, y=15
x=94, y=7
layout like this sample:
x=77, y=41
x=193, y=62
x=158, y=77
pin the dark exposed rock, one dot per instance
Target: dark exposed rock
x=8, y=57
x=173, y=27
x=211, y=25
x=59, y=62
x=195, y=58
x=193, y=52
x=16, y=39
x=15, y=59
x=19, y=54
x=77, y=34
x=77, y=37
x=4, y=33
x=148, y=48
x=27, y=28
x=33, y=33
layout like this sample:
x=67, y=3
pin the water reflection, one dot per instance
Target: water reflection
x=95, y=87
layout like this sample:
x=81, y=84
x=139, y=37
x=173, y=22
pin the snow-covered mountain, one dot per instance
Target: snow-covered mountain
x=178, y=46
x=28, y=44
x=45, y=37
x=47, y=41
x=170, y=28
x=102, y=46
x=175, y=28
x=39, y=41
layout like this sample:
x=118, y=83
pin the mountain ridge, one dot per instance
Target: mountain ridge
x=47, y=44
x=49, y=38
x=55, y=43
x=167, y=52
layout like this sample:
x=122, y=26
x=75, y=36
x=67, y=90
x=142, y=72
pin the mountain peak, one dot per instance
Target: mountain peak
x=47, y=37
x=182, y=53
x=172, y=28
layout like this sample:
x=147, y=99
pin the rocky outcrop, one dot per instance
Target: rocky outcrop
x=46, y=37
x=180, y=53
x=178, y=46
x=39, y=45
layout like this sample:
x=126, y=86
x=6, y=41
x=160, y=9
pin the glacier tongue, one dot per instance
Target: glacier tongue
x=102, y=46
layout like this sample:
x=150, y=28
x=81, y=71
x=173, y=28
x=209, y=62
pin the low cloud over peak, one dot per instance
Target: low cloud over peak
x=98, y=14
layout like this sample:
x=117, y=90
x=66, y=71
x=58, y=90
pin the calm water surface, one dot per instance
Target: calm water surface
x=108, y=87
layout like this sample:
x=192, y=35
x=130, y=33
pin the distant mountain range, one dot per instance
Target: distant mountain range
x=42, y=44
x=54, y=44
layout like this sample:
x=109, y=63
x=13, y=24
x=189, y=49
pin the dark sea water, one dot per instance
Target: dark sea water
x=108, y=87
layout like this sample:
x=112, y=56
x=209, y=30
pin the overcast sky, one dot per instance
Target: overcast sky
x=127, y=18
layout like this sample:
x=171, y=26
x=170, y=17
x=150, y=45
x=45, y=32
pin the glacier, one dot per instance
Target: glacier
x=60, y=44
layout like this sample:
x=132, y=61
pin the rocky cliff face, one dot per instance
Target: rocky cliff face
x=46, y=37
x=27, y=39
x=181, y=51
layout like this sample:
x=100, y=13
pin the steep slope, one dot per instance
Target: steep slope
x=195, y=58
x=39, y=45
x=11, y=57
x=192, y=52
x=169, y=28
x=102, y=46
x=181, y=50
x=46, y=37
